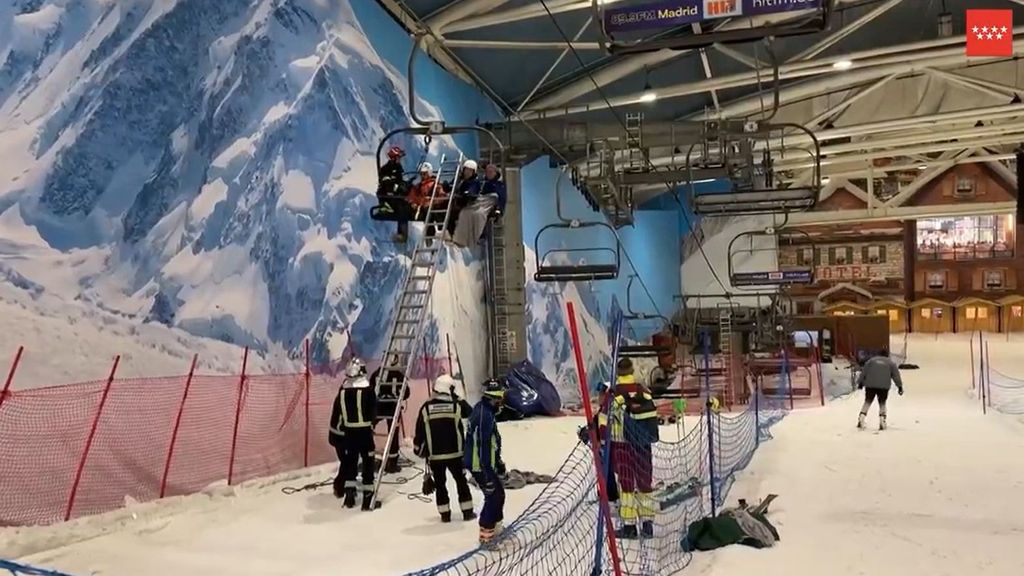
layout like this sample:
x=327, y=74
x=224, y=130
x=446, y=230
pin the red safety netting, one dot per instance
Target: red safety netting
x=80, y=449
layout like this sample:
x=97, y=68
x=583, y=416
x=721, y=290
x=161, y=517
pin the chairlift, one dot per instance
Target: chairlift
x=642, y=350
x=791, y=275
x=548, y=270
x=624, y=29
x=754, y=187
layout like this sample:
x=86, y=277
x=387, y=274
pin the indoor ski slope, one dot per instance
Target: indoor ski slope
x=940, y=492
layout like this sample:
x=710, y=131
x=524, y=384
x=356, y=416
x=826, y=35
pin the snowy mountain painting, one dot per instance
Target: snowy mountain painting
x=207, y=169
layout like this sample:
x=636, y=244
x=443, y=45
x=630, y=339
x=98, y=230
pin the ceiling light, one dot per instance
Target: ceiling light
x=842, y=64
x=922, y=167
x=825, y=179
x=649, y=96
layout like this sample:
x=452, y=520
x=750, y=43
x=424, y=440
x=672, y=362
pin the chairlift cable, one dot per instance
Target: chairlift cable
x=646, y=156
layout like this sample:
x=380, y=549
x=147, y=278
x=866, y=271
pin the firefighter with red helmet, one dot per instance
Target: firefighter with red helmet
x=392, y=189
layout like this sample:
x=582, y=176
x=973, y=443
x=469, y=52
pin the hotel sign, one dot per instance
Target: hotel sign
x=851, y=272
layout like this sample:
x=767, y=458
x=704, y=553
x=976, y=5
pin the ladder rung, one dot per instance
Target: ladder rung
x=415, y=292
x=415, y=278
x=413, y=306
x=403, y=336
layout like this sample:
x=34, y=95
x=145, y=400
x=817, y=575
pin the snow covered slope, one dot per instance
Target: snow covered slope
x=207, y=166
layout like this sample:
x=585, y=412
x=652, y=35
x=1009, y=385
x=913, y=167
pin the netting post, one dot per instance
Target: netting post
x=305, y=441
x=706, y=338
x=973, y=385
x=785, y=371
x=10, y=375
x=981, y=373
x=89, y=439
x=177, y=425
x=602, y=486
x=238, y=417
x=988, y=376
x=757, y=414
x=816, y=358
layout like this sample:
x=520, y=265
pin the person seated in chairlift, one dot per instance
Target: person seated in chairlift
x=391, y=179
x=465, y=193
x=420, y=194
x=477, y=211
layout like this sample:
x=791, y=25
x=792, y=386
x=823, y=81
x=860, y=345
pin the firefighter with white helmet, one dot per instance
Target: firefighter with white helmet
x=440, y=439
x=352, y=417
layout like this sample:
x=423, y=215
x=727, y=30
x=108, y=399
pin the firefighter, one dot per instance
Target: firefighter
x=483, y=458
x=440, y=439
x=634, y=429
x=353, y=416
x=388, y=389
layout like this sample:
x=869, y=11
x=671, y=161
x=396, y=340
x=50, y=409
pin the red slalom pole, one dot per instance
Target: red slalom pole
x=177, y=425
x=10, y=375
x=602, y=487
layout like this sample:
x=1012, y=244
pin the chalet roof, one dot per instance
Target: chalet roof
x=973, y=300
x=1010, y=299
x=844, y=304
x=898, y=302
x=845, y=286
x=926, y=301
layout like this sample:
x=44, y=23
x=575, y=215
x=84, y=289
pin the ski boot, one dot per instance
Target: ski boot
x=860, y=420
x=881, y=423
x=486, y=537
x=350, y=498
x=367, y=501
x=647, y=529
x=468, y=515
x=339, y=488
x=446, y=517
x=392, y=467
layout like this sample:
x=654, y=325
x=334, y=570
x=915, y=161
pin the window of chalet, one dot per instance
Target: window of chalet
x=926, y=312
x=840, y=255
x=805, y=257
x=966, y=238
x=982, y=312
x=1017, y=311
x=971, y=312
x=894, y=315
x=937, y=313
x=935, y=280
x=873, y=254
x=994, y=279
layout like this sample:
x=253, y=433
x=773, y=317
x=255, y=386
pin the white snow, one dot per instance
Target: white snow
x=212, y=193
x=937, y=494
x=298, y=193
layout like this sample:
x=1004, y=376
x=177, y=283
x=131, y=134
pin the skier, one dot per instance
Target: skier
x=387, y=391
x=634, y=429
x=483, y=458
x=876, y=378
x=391, y=191
x=440, y=439
x=352, y=416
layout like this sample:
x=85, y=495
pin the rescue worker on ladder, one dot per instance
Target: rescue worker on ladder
x=440, y=439
x=483, y=458
x=352, y=420
x=387, y=405
x=634, y=429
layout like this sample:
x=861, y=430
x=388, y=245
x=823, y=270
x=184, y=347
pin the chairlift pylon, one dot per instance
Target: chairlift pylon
x=550, y=271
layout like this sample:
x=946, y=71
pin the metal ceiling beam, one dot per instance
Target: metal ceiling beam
x=460, y=10
x=868, y=65
x=946, y=161
x=532, y=10
x=904, y=151
x=737, y=55
x=518, y=45
x=837, y=36
x=907, y=166
x=878, y=213
x=551, y=69
x=958, y=81
x=625, y=66
x=833, y=112
x=706, y=64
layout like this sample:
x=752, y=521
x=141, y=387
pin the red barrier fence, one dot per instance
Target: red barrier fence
x=80, y=449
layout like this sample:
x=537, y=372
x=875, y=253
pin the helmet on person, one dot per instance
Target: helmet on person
x=493, y=389
x=355, y=368
x=426, y=167
x=396, y=152
x=624, y=367
x=445, y=384
x=471, y=164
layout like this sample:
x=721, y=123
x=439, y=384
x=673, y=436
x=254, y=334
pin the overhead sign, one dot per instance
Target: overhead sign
x=781, y=277
x=669, y=13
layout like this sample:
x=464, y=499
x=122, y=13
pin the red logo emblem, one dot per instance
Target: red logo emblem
x=990, y=33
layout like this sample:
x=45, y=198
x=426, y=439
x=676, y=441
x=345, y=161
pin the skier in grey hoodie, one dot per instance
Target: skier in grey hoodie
x=876, y=378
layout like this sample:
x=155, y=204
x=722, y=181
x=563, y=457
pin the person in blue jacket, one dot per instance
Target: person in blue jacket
x=483, y=459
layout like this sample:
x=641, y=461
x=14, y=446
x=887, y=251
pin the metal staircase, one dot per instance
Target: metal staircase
x=411, y=311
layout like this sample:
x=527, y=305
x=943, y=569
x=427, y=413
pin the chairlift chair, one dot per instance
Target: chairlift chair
x=781, y=277
x=754, y=184
x=642, y=350
x=548, y=270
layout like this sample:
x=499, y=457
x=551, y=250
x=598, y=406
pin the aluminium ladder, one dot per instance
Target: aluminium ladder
x=411, y=310
x=725, y=312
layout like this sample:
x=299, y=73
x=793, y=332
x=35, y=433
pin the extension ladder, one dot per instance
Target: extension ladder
x=498, y=297
x=725, y=345
x=411, y=311
x=637, y=162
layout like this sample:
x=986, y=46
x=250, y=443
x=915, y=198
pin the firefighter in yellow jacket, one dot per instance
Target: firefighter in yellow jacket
x=634, y=429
